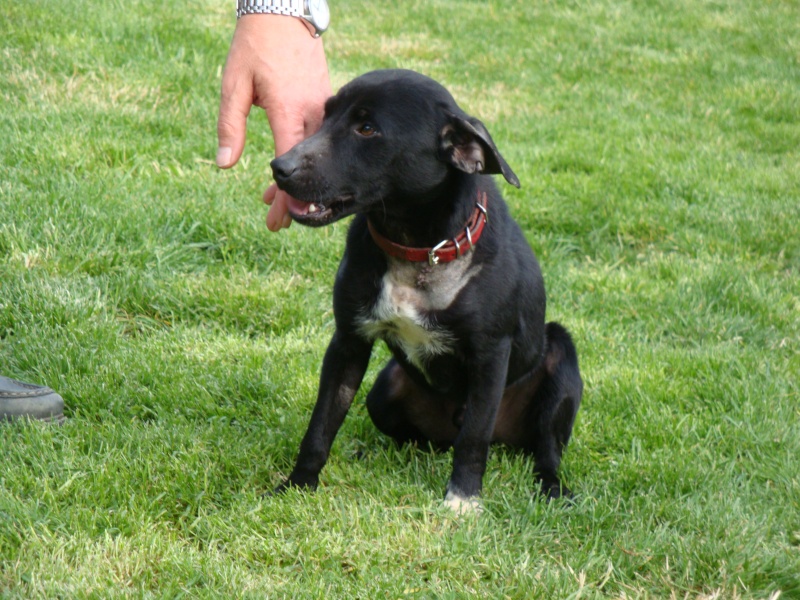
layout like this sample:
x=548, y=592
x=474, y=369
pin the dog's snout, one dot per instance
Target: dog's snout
x=283, y=168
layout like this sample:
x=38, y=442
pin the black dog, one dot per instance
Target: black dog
x=436, y=267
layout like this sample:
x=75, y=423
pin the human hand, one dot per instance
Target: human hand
x=275, y=63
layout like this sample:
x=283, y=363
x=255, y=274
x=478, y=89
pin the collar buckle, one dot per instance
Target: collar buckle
x=433, y=259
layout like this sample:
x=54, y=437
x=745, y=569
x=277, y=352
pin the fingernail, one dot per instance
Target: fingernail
x=223, y=156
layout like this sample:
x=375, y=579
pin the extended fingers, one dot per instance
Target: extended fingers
x=278, y=216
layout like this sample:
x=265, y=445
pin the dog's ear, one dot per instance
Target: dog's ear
x=466, y=144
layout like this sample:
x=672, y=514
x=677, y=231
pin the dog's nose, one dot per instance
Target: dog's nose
x=283, y=167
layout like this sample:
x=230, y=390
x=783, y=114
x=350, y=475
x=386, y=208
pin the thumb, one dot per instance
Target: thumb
x=237, y=97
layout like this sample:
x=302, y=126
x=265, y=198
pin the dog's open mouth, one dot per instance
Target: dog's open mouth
x=316, y=214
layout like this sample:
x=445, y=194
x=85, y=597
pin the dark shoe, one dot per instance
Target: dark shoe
x=23, y=400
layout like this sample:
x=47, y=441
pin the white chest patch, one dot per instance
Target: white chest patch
x=409, y=293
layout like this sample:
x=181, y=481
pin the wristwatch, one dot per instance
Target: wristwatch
x=314, y=12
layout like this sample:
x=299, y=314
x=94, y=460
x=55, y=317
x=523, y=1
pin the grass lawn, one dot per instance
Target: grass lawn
x=658, y=145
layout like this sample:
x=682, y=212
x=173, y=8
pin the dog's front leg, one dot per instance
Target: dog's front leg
x=343, y=368
x=486, y=382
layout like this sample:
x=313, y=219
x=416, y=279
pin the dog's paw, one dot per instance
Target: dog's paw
x=555, y=490
x=290, y=484
x=463, y=506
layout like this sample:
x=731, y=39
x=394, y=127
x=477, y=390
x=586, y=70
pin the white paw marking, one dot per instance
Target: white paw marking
x=463, y=506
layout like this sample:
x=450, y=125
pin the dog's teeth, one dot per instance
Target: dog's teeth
x=312, y=208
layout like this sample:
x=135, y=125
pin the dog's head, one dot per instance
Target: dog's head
x=390, y=140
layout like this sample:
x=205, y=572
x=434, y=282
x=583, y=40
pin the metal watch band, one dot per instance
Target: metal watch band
x=290, y=8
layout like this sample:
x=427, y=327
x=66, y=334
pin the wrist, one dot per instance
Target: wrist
x=313, y=13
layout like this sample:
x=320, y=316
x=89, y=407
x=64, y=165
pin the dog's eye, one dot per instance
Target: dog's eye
x=366, y=130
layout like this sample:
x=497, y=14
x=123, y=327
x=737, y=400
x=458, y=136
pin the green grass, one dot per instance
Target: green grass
x=658, y=144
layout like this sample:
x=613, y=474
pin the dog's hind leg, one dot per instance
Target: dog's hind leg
x=408, y=412
x=553, y=409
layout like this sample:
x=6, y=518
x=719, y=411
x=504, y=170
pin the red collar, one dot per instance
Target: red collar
x=444, y=251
